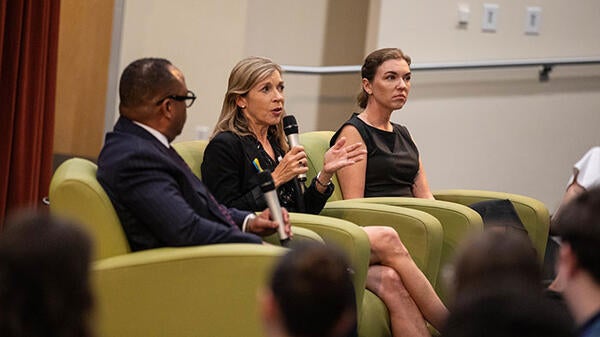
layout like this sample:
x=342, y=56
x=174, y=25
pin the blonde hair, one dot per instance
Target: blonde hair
x=372, y=63
x=243, y=77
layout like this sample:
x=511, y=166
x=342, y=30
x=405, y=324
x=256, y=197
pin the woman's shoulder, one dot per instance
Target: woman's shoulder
x=224, y=141
x=354, y=121
x=231, y=142
x=225, y=136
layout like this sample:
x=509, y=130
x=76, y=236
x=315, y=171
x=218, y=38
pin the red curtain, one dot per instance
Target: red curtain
x=28, y=58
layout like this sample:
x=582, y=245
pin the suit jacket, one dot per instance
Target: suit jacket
x=158, y=199
x=231, y=176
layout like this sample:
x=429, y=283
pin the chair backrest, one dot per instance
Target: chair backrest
x=532, y=212
x=188, y=291
x=458, y=222
x=421, y=233
x=75, y=193
x=192, y=153
x=316, y=143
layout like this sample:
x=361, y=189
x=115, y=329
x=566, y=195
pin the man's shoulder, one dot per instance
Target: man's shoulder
x=124, y=143
x=121, y=149
x=224, y=141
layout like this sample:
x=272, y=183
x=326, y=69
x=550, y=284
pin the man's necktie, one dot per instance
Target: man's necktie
x=213, y=204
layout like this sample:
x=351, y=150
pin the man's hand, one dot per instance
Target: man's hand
x=264, y=225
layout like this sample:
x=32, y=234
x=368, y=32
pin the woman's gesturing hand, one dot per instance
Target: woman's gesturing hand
x=339, y=156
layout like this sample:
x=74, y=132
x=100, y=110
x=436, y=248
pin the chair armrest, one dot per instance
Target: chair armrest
x=301, y=234
x=458, y=222
x=345, y=235
x=420, y=232
x=191, y=291
x=533, y=213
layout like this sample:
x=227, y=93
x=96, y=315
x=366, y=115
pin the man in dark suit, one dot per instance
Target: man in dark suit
x=158, y=199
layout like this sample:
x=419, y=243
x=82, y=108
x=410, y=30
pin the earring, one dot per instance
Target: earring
x=242, y=107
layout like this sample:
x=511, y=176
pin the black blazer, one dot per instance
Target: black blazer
x=229, y=173
x=158, y=199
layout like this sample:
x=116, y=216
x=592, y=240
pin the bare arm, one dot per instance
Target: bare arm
x=420, y=188
x=338, y=157
x=352, y=178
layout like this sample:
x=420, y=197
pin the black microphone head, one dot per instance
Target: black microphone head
x=290, y=126
x=265, y=181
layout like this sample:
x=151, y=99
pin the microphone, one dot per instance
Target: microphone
x=267, y=186
x=290, y=128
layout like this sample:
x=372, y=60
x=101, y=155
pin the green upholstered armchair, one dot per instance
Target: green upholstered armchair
x=420, y=228
x=193, y=291
x=372, y=314
x=143, y=293
x=456, y=220
x=193, y=153
x=76, y=193
x=420, y=232
x=533, y=213
x=346, y=236
x=316, y=143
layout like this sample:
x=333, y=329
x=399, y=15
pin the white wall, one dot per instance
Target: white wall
x=205, y=39
x=497, y=129
x=290, y=32
x=493, y=129
x=202, y=38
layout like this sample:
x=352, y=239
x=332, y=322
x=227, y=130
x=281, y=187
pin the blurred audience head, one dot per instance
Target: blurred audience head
x=44, y=278
x=496, y=256
x=310, y=294
x=372, y=63
x=498, y=292
x=578, y=227
x=506, y=311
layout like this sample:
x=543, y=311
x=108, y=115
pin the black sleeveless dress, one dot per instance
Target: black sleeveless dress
x=392, y=159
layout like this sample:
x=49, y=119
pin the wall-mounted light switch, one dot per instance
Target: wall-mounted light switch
x=490, y=17
x=533, y=19
x=463, y=14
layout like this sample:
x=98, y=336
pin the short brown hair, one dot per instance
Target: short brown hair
x=312, y=283
x=578, y=224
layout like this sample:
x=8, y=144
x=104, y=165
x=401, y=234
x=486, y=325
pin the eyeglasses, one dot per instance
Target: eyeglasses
x=189, y=96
